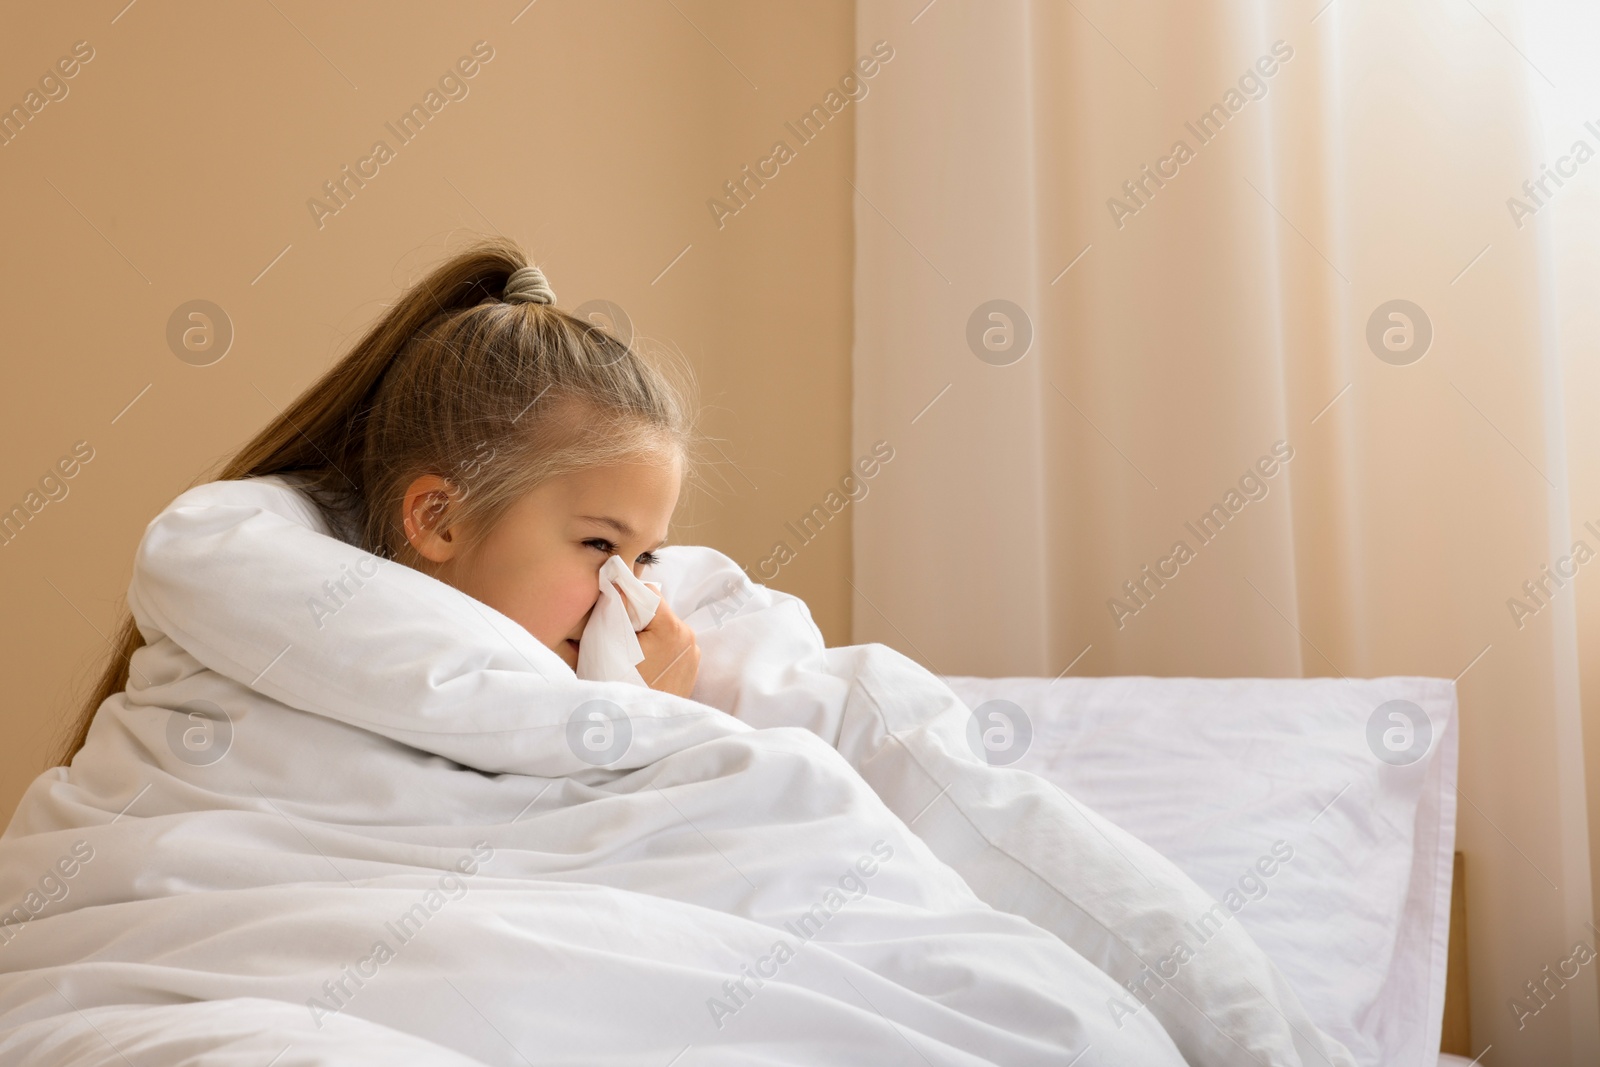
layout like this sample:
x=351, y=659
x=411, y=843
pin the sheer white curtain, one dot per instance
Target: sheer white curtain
x=1304, y=393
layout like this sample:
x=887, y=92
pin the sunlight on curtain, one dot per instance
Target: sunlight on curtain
x=1209, y=344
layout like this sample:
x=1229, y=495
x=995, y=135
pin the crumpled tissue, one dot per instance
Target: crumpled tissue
x=609, y=648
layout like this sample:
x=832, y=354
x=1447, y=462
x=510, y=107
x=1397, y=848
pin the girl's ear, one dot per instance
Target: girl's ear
x=427, y=523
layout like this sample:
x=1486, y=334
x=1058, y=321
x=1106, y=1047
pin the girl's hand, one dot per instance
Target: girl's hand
x=671, y=654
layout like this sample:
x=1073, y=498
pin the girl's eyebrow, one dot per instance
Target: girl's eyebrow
x=622, y=528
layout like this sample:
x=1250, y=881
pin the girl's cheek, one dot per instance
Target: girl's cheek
x=578, y=597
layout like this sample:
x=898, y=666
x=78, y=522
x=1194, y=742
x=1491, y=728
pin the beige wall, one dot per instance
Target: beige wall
x=180, y=164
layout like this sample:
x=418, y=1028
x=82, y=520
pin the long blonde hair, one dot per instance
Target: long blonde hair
x=494, y=397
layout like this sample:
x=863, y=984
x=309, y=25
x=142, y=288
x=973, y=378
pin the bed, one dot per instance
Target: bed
x=1213, y=772
x=409, y=833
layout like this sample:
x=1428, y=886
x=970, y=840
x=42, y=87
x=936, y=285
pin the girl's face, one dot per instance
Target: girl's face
x=540, y=563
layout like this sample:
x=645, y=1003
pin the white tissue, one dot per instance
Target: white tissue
x=609, y=649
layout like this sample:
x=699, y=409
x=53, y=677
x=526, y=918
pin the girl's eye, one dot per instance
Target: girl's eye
x=609, y=548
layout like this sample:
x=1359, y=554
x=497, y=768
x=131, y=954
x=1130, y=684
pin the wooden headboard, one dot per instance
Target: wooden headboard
x=1456, y=1036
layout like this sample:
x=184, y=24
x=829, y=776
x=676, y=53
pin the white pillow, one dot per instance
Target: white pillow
x=1218, y=773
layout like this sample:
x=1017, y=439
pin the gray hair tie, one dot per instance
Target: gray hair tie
x=527, y=285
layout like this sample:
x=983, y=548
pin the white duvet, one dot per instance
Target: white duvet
x=345, y=814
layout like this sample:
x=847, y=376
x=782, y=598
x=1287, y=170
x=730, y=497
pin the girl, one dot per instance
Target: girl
x=640, y=876
x=483, y=436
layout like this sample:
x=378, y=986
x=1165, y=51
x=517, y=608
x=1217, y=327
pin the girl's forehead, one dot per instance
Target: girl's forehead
x=632, y=499
x=627, y=477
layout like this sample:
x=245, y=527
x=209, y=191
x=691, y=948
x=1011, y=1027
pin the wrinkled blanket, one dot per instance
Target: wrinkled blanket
x=346, y=814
